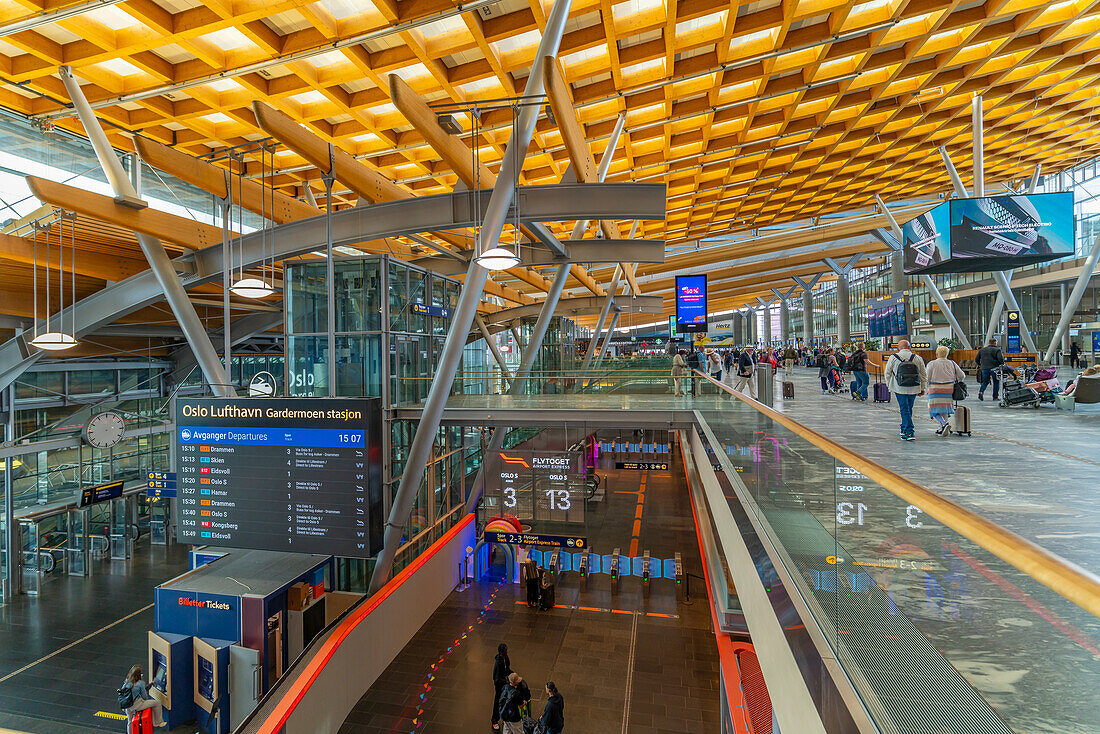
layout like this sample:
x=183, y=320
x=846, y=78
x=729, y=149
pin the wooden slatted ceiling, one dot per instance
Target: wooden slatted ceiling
x=753, y=113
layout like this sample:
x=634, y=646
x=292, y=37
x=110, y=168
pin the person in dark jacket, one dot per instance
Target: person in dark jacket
x=858, y=365
x=990, y=358
x=502, y=668
x=1074, y=356
x=512, y=700
x=529, y=574
x=553, y=716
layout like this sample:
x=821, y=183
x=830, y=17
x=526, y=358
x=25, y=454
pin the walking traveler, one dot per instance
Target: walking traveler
x=693, y=364
x=789, y=356
x=529, y=576
x=746, y=371
x=942, y=373
x=553, y=716
x=134, y=690
x=990, y=357
x=1074, y=357
x=857, y=365
x=513, y=699
x=502, y=668
x=826, y=363
x=679, y=368
x=907, y=378
x=714, y=364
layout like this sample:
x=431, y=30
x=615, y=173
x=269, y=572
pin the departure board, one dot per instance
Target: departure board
x=296, y=474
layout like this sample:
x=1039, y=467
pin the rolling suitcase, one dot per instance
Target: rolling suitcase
x=882, y=393
x=960, y=421
x=142, y=722
x=788, y=390
x=547, y=598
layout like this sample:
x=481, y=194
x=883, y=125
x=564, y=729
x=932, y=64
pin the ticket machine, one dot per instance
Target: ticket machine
x=211, y=688
x=170, y=675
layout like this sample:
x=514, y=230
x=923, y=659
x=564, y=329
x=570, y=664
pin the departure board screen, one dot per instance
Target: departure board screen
x=296, y=474
x=539, y=485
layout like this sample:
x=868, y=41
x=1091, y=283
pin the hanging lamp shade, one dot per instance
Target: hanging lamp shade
x=498, y=258
x=252, y=288
x=54, y=341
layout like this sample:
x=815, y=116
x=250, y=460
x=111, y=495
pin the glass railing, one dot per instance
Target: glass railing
x=942, y=621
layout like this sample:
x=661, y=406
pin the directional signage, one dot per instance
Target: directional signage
x=642, y=465
x=537, y=540
x=429, y=310
x=294, y=474
x=101, y=493
x=158, y=492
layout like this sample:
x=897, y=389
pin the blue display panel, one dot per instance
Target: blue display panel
x=295, y=474
x=886, y=316
x=691, y=303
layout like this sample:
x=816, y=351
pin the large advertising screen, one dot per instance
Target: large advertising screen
x=293, y=474
x=990, y=233
x=691, y=303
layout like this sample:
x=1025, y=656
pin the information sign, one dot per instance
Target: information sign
x=536, y=540
x=691, y=303
x=1013, y=321
x=672, y=333
x=297, y=474
x=642, y=465
x=540, y=485
x=1096, y=341
x=101, y=493
x=429, y=310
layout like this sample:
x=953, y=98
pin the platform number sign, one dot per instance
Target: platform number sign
x=540, y=485
x=854, y=502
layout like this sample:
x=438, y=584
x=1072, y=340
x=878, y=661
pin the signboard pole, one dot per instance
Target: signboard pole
x=1010, y=300
x=1074, y=297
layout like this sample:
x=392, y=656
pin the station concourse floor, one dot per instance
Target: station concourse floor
x=65, y=652
x=1032, y=471
x=623, y=663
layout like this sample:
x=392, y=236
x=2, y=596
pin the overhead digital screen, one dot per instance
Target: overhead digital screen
x=296, y=474
x=93, y=495
x=990, y=233
x=886, y=316
x=539, y=485
x=691, y=303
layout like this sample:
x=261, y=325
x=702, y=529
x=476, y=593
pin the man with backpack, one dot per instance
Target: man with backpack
x=907, y=378
x=990, y=357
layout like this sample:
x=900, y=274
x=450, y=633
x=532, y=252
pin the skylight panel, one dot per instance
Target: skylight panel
x=111, y=16
x=228, y=39
x=120, y=67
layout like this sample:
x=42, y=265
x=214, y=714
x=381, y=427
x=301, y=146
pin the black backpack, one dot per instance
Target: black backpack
x=126, y=697
x=907, y=374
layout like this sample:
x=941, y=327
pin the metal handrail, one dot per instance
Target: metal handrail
x=1064, y=577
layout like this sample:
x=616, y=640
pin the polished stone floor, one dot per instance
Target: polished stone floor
x=64, y=652
x=623, y=663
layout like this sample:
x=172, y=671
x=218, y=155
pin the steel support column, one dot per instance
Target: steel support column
x=1074, y=297
x=1063, y=300
x=159, y=263
x=767, y=328
x=807, y=287
x=11, y=556
x=530, y=354
x=976, y=129
x=500, y=202
x=607, y=339
x=611, y=289
x=492, y=344
x=946, y=309
x=956, y=180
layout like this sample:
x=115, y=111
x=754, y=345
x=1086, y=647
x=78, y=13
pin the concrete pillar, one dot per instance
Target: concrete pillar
x=807, y=317
x=843, y=310
x=784, y=321
x=738, y=323
x=751, y=332
x=766, y=337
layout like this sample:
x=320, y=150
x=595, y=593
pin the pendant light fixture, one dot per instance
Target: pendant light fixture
x=49, y=339
x=251, y=287
x=495, y=258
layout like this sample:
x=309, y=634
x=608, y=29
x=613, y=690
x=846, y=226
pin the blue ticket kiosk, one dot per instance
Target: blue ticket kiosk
x=170, y=675
x=211, y=690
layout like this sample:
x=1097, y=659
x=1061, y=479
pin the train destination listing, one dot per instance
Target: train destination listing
x=288, y=484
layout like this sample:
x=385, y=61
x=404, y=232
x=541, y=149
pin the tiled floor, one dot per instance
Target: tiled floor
x=621, y=664
x=71, y=620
